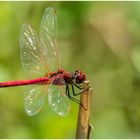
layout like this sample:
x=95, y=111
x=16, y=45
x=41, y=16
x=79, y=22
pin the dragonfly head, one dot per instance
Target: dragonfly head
x=79, y=77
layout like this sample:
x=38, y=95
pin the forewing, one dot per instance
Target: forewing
x=34, y=99
x=31, y=53
x=58, y=100
x=48, y=39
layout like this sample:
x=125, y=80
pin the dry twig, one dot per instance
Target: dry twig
x=83, y=124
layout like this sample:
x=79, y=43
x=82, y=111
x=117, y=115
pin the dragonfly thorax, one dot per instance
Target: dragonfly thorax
x=68, y=77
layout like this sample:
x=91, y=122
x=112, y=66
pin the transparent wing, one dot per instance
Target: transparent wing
x=48, y=39
x=31, y=53
x=34, y=99
x=57, y=100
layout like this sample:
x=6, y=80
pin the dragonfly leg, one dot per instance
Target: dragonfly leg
x=75, y=94
x=73, y=99
x=68, y=94
x=79, y=87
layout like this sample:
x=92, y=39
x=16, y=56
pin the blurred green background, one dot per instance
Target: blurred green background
x=100, y=38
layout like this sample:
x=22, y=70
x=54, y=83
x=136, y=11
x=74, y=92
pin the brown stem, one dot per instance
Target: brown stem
x=83, y=124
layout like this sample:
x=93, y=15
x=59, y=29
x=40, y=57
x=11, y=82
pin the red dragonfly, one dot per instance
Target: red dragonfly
x=40, y=56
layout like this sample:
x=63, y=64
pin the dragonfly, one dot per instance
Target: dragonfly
x=40, y=56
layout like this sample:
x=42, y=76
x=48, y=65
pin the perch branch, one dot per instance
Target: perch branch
x=83, y=124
